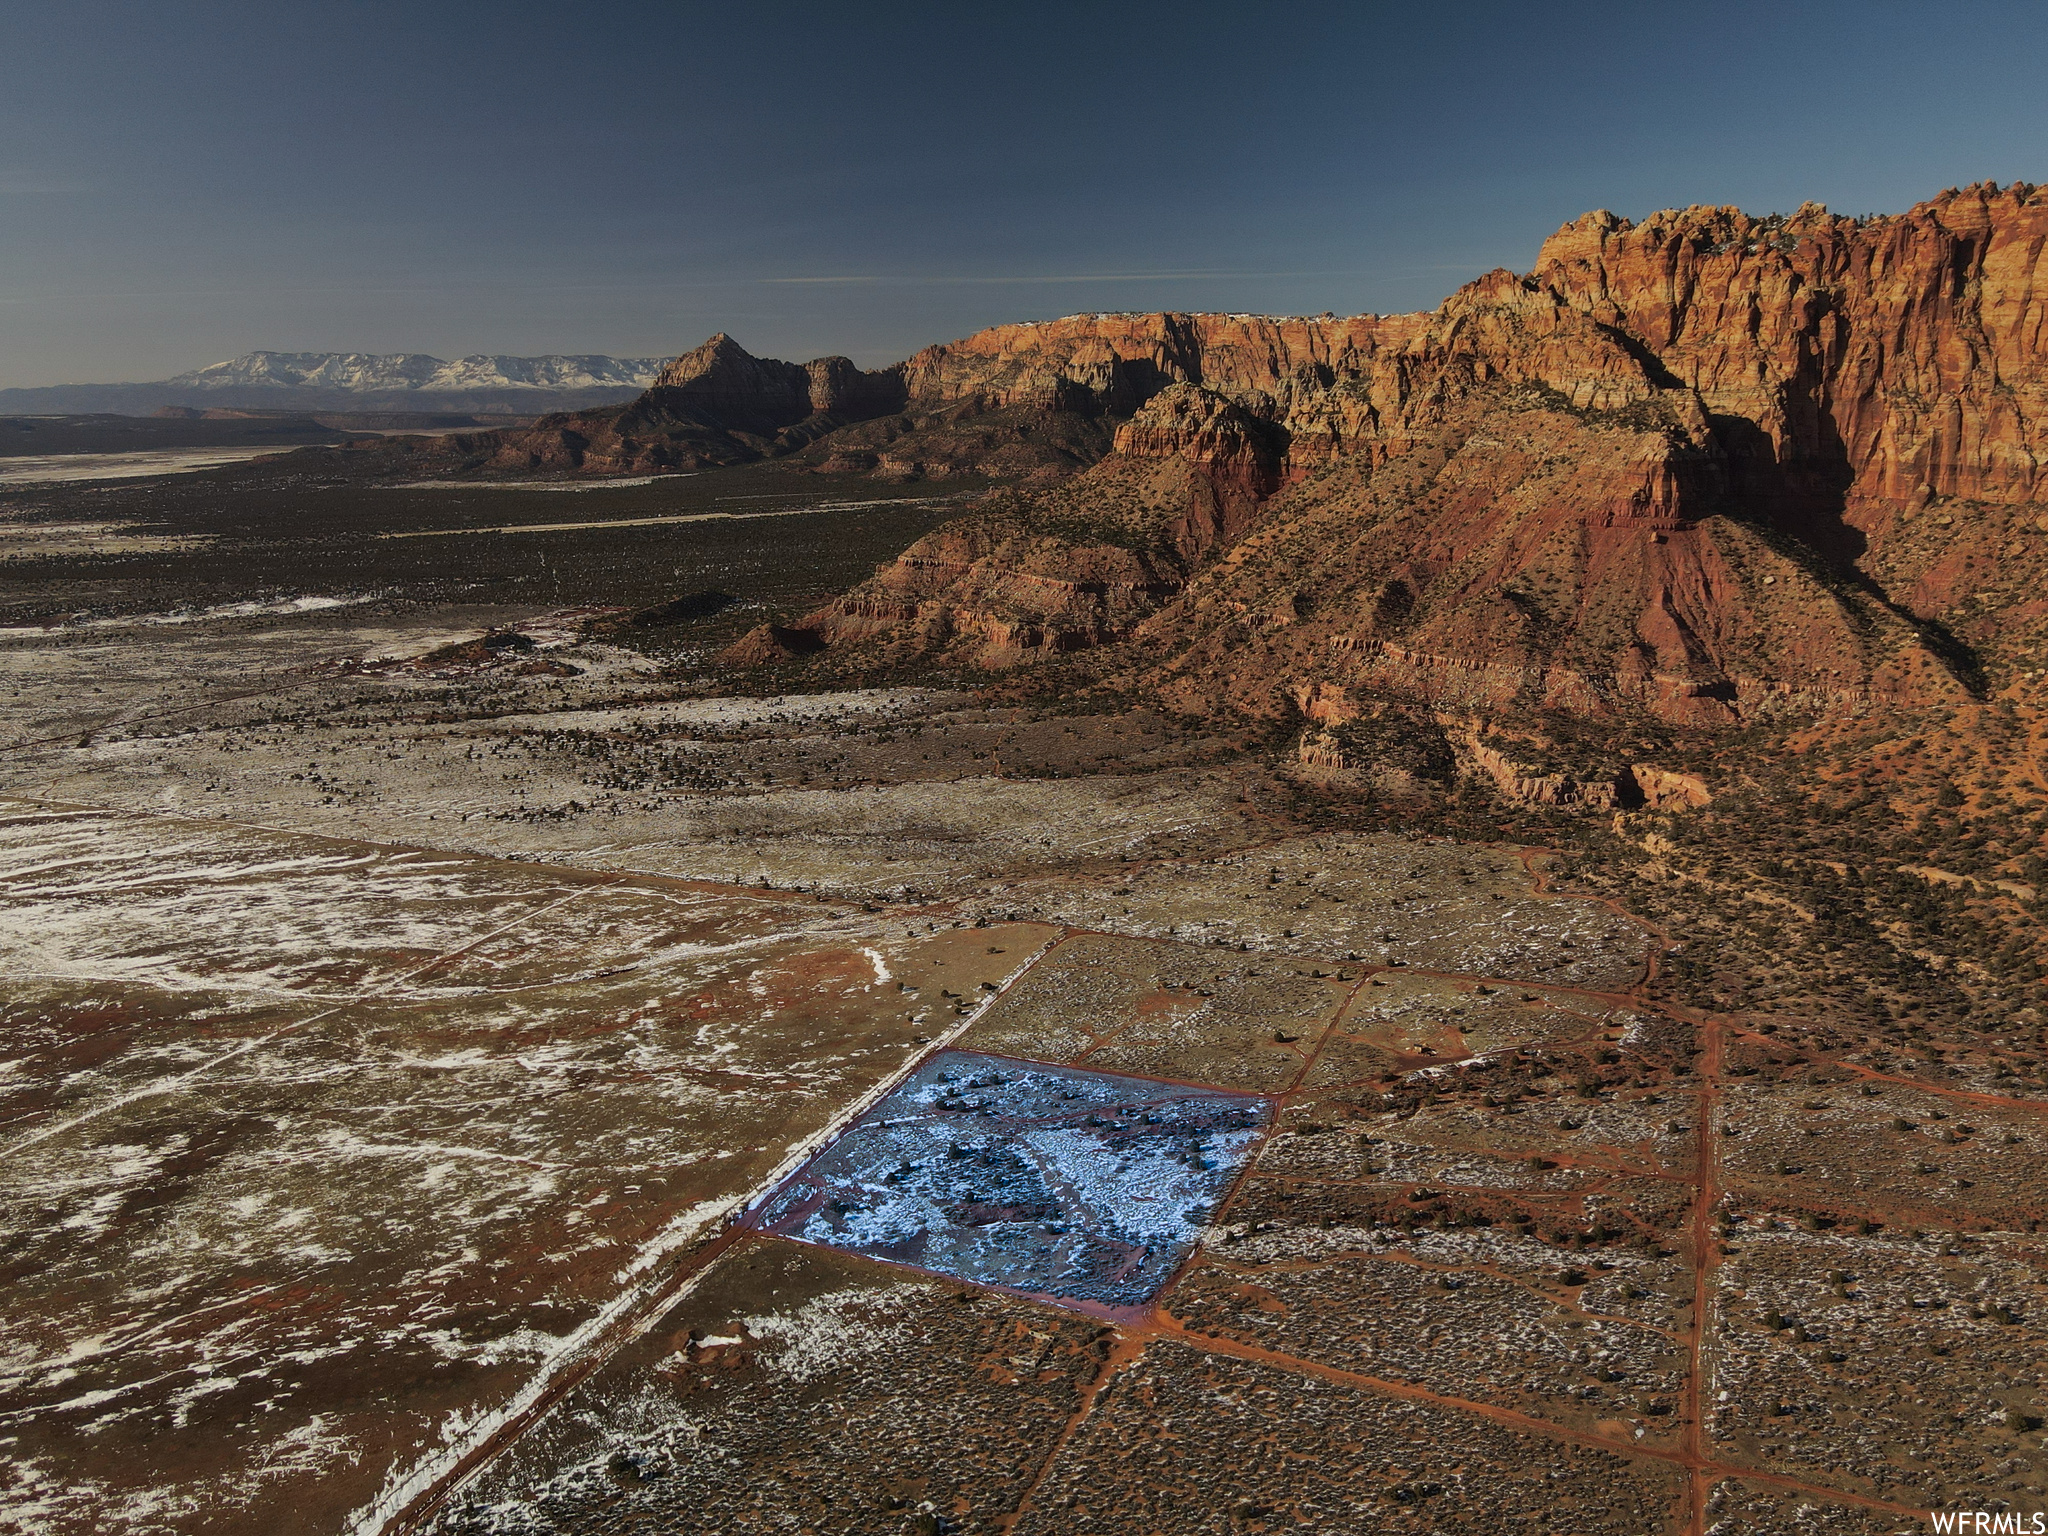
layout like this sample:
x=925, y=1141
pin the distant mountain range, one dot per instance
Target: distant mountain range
x=411, y=381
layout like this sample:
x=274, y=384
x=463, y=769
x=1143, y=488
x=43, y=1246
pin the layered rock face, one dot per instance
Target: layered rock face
x=1676, y=469
x=1027, y=576
x=1233, y=461
x=1526, y=555
x=1323, y=387
x=1314, y=389
x=1872, y=357
x=1894, y=352
x=1842, y=361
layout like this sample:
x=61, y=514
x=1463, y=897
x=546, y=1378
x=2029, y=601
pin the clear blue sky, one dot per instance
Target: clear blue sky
x=180, y=183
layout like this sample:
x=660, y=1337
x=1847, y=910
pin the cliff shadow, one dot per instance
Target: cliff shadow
x=1804, y=503
x=1806, y=498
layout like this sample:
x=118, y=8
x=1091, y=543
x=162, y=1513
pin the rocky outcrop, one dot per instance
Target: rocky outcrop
x=1388, y=748
x=1319, y=387
x=765, y=644
x=1236, y=459
x=1522, y=554
x=1518, y=782
x=1844, y=365
x=1391, y=748
x=1665, y=472
x=1707, y=467
x=996, y=591
x=846, y=393
x=1661, y=789
x=717, y=404
x=727, y=385
x=1868, y=355
x=743, y=392
x=1526, y=556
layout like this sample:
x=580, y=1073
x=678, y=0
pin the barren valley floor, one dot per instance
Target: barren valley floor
x=414, y=969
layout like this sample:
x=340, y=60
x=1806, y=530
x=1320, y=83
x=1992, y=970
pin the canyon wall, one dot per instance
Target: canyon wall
x=1894, y=352
x=1837, y=358
x=1708, y=466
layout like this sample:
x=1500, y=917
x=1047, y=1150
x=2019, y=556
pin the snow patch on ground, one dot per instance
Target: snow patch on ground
x=831, y=1331
x=250, y=609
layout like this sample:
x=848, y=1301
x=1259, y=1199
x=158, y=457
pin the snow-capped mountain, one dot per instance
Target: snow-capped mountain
x=365, y=381
x=384, y=373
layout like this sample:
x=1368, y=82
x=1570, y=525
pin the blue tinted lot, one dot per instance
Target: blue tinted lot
x=1082, y=1187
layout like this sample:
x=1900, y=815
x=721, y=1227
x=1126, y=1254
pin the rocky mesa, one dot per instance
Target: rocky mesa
x=1711, y=467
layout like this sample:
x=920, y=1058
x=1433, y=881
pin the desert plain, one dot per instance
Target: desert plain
x=425, y=958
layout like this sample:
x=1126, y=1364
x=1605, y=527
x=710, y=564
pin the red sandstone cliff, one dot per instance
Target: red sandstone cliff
x=1708, y=466
x=1873, y=356
x=1326, y=386
x=1901, y=351
x=1528, y=555
x=1839, y=357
